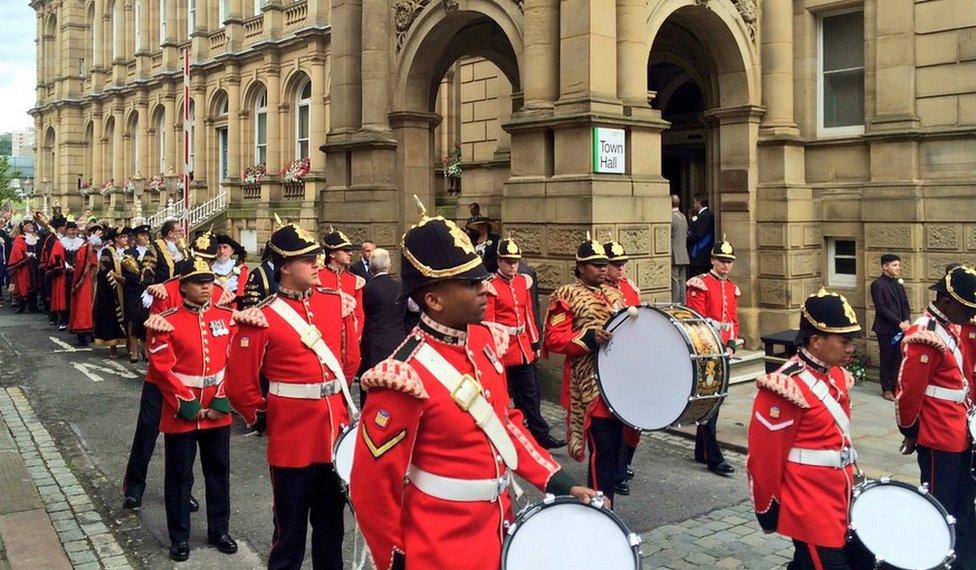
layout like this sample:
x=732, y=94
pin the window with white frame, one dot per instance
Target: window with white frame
x=223, y=7
x=138, y=28
x=258, y=4
x=191, y=17
x=161, y=141
x=841, y=77
x=162, y=22
x=302, y=110
x=842, y=262
x=261, y=129
x=117, y=30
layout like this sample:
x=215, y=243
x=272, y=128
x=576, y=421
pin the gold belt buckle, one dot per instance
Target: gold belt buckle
x=472, y=388
x=311, y=336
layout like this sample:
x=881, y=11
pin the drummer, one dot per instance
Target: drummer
x=617, y=278
x=577, y=315
x=800, y=465
x=932, y=400
x=418, y=421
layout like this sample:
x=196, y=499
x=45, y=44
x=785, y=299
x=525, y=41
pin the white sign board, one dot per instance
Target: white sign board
x=609, y=150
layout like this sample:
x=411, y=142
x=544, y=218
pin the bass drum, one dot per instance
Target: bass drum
x=664, y=366
x=343, y=452
x=561, y=533
x=899, y=526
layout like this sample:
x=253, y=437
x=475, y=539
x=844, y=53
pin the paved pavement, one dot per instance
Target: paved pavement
x=70, y=416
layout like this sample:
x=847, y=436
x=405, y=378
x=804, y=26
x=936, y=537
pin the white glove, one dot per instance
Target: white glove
x=147, y=299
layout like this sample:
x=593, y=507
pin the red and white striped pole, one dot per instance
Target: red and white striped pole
x=186, y=142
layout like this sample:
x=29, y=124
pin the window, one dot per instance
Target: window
x=161, y=141
x=222, y=9
x=81, y=66
x=191, y=17
x=841, y=78
x=842, y=261
x=258, y=4
x=162, y=22
x=302, y=109
x=138, y=28
x=261, y=129
x=117, y=29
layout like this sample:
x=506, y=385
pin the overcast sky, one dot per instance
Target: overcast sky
x=18, y=78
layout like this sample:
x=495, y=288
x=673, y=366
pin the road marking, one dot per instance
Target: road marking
x=65, y=347
x=83, y=368
x=91, y=370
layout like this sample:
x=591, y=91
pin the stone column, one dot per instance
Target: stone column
x=413, y=131
x=316, y=117
x=631, y=53
x=118, y=148
x=894, y=54
x=200, y=49
x=541, y=55
x=233, y=125
x=98, y=49
x=587, y=52
x=376, y=18
x=346, y=65
x=777, y=68
x=200, y=128
x=142, y=139
x=174, y=134
x=98, y=175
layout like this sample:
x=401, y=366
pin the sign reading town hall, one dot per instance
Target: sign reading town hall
x=609, y=147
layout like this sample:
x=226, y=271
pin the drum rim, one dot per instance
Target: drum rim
x=335, y=446
x=694, y=369
x=885, y=482
x=531, y=510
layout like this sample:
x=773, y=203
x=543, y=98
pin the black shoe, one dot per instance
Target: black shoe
x=194, y=504
x=630, y=473
x=19, y=310
x=225, y=544
x=549, y=442
x=132, y=503
x=723, y=469
x=179, y=551
x=622, y=488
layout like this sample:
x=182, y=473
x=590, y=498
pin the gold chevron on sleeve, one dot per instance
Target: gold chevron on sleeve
x=379, y=451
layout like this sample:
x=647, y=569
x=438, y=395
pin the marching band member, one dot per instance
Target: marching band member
x=800, y=461
x=83, y=286
x=932, y=401
x=577, y=313
x=336, y=275
x=187, y=357
x=716, y=297
x=510, y=305
x=617, y=278
x=166, y=294
x=420, y=421
x=307, y=347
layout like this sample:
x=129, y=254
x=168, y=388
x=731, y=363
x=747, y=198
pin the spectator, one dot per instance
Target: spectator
x=383, y=328
x=891, y=319
x=701, y=235
x=679, y=251
x=475, y=210
x=361, y=267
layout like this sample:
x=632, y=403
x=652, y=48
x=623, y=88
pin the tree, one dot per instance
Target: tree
x=7, y=192
x=6, y=143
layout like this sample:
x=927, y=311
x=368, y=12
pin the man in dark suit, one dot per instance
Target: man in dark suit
x=383, y=330
x=892, y=317
x=361, y=267
x=701, y=235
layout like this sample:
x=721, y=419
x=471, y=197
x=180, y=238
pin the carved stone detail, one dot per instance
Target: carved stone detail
x=888, y=236
x=772, y=235
x=662, y=239
x=942, y=237
x=564, y=241
x=530, y=240
x=636, y=239
x=935, y=263
x=749, y=10
x=971, y=238
x=406, y=11
x=552, y=274
x=602, y=234
x=385, y=235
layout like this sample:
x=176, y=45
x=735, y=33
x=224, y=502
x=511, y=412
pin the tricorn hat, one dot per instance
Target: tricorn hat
x=239, y=251
x=590, y=251
x=110, y=234
x=71, y=226
x=196, y=270
x=508, y=249
x=291, y=240
x=336, y=240
x=436, y=250
x=615, y=252
x=960, y=284
x=830, y=313
x=724, y=250
x=143, y=229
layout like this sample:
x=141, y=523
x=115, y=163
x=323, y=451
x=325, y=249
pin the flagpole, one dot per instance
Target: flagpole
x=186, y=141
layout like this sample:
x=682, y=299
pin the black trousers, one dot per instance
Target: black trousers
x=623, y=460
x=811, y=557
x=144, y=441
x=604, y=439
x=707, y=450
x=303, y=495
x=950, y=480
x=181, y=451
x=889, y=357
x=523, y=387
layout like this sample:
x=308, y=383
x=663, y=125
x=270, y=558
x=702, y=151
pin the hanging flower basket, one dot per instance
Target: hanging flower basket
x=296, y=171
x=255, y=174
x=156, y=183
x=107, y=187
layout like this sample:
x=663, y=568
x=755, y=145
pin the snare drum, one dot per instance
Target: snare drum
x=343, y=452
x=901, y=526
x=561, y=533
x=664, y=366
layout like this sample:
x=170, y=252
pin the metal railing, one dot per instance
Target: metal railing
x=195, y=216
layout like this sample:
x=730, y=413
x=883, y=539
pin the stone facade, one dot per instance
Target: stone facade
x=729, y=97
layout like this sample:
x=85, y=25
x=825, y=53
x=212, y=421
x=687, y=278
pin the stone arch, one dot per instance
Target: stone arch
x=251, y=95
x=50, y=150
x=132, y=123
x=88, y=138
x=52, y=55
x=438, y=37
x=293, y=80
x=159, y=141
x=218, y=104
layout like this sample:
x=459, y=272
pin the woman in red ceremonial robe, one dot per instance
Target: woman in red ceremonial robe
x=80, y=322
x=23, y=266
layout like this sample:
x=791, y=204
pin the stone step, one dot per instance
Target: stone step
x=746, y=366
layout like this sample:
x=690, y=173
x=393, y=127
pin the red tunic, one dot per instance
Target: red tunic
x=196, y=347
x=83, y=290
x=21, y=266
x=510, y=305
x=56, y=272
x=716, y=299
x=300, y=431
x=813, y=501
x=929, y=360
x=350, y=284
x=410, y=418
x=174, y=297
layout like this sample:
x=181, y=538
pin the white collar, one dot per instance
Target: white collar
x=223, y=267
x=71, y=244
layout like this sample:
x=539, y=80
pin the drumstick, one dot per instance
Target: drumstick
x=632, y=313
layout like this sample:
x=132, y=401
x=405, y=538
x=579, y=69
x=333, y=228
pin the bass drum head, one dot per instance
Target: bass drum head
x=345, y=450
x=899, y=525
x=645, y=372
x=568, y=535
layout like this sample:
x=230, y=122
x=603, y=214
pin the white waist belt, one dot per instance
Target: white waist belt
x=957, y=396
x=193, y=381
x=823, y=457
x=515, y=331
x=315, y=391
x=462, y=490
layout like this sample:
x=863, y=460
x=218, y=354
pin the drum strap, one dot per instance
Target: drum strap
x=822, y=392
x=312, y=338
x=954, y=348
x=466, y=393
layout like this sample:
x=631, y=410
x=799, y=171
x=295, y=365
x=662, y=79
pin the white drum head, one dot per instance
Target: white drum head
x=900, y=526
x=569, y=536
x=646, y=370
x=972, y=426
x=345, y=450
